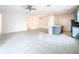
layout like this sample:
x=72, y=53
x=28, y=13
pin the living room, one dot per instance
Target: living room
x=35, y=28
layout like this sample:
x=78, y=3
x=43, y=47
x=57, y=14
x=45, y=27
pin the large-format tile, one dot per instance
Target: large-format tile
x=37, y=42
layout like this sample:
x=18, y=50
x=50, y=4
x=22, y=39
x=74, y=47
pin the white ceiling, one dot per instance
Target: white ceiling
x=41, y=9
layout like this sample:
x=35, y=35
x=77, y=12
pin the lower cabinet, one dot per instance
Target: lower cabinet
x=56, y=29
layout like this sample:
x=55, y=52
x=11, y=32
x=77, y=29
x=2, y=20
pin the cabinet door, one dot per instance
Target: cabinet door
x=75, y=31
x=78, y=15
x=0, y=24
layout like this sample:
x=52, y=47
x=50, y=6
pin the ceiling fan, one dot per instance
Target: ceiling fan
x=48, y=5
x=28, y=7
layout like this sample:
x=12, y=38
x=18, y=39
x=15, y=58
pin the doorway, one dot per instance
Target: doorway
x=37, y=23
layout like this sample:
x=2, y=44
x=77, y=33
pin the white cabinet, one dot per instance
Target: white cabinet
x=77, y=15
x=0, y=24
x=75, y=31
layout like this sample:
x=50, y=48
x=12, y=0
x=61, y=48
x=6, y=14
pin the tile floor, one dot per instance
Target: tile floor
x=35, y=42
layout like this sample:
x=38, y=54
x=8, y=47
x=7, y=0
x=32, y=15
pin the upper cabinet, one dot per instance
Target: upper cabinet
x=0, y=23
x=77, y=15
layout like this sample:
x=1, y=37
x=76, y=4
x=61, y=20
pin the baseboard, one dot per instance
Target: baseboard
x=14, y=32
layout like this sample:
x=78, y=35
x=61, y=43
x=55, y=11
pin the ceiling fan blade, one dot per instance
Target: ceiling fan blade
x=30, y=9
x=48, y=5
x=25, y=7
x=33, y=9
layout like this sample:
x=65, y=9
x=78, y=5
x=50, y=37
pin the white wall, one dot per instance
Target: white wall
x=65, y=20
x=14, y=22
x=37, y=21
